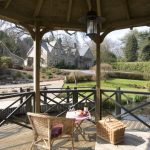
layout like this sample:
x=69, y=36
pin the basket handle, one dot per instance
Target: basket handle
x=108, y=119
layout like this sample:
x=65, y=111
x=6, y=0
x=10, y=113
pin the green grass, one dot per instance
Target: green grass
x=124, y=84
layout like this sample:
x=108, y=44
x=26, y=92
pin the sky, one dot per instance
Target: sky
x=118, y=34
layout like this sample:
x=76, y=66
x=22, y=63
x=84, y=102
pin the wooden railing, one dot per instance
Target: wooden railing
x=119, y=96
x=65, y=99
x=21, y=104
x=59, y=101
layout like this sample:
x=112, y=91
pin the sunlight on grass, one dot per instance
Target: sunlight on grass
x=124, y=84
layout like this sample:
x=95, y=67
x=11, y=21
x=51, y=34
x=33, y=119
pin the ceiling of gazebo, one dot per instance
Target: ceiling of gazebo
x=65, y=14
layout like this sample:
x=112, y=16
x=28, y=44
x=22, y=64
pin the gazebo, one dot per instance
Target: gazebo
x=41, y=16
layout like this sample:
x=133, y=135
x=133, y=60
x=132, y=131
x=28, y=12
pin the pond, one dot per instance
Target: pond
x=143, y=113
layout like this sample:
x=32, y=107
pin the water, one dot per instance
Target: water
x=143, y=113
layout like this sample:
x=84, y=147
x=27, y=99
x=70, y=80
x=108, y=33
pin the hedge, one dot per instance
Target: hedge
x=139, y=67
x=128, y=75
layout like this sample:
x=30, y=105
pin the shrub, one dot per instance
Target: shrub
x=141, y=67
x=29, y=76
x=6, y=62
x=105, y=69
x=126, y=75
x=139, y=98
x=78, y=77
x=18, y=74
x=148, y=86
x=49, y=74
x=43, y=70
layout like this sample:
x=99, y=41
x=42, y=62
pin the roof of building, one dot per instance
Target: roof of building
x=48, y=46
x=84, y=48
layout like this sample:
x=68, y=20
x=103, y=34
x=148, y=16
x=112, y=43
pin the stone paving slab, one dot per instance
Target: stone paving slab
x=132, y=141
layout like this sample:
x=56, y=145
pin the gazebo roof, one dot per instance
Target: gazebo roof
x=65, y=14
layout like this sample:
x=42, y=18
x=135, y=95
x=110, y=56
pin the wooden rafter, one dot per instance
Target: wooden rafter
x=7, y=3
x=38, y=8
x=89, y=4
x=13, y=16
x=69, y=10
x=127, y=9
x=99, y=13
x=130, y=23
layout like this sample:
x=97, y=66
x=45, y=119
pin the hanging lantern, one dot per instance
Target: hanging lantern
x=91, y=23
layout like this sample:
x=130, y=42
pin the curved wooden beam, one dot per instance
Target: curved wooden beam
x=69, y=10
x=38, y=8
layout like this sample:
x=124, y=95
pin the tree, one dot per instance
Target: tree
x=145, y=52
x=131, y=48
x=107, y=56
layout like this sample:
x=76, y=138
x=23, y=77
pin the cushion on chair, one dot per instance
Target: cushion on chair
x=56, y=130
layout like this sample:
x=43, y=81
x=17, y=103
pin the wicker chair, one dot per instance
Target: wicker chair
x=46, y=129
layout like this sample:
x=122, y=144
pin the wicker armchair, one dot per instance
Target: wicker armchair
x=46, y=129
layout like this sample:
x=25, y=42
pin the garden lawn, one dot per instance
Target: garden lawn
x=124, y=84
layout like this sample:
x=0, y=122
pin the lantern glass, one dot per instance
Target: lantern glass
x=91, y=23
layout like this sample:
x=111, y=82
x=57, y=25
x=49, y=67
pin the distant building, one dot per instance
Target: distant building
x=16, y=60
x=55, y=53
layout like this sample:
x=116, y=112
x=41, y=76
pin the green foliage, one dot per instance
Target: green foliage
x=6, y=62
x=16, y=46
x=145, y=55
x=139, y=98
x=140, y=67
x=131, y=47
x=29, y=76
x=148, y=86
x=8, y=41
x=124, y=84
x=18, y=74
x=145, y=51
x=43, y=70
x=126, y=75
x=0, y=62
x=49, y=74
x=108, y=57
x=55, y=71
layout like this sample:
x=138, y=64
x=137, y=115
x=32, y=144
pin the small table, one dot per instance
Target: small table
x=78, y=121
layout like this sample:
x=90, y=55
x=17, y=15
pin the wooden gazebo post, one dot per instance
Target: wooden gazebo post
x=98, y=108
x=37, y=55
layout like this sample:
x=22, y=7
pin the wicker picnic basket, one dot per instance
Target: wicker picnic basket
x=111, y=130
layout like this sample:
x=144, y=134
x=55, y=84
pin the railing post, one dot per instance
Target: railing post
x=94, y=94
x=21, y=90
x=68, y=94
x=118, y=100
x=75, y=96
x=29, y=103
x=45, y=95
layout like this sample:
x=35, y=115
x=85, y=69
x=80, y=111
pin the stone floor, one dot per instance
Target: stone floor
x=14, y=137
x=133, y=140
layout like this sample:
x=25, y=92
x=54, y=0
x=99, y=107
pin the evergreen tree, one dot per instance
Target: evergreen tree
x=145, y=52
x=131, y=47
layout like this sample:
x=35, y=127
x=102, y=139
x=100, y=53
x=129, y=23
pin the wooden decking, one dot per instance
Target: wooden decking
x=136, y=125
x=14, y=137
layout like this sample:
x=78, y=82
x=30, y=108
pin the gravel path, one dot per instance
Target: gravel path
x=15, y=87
